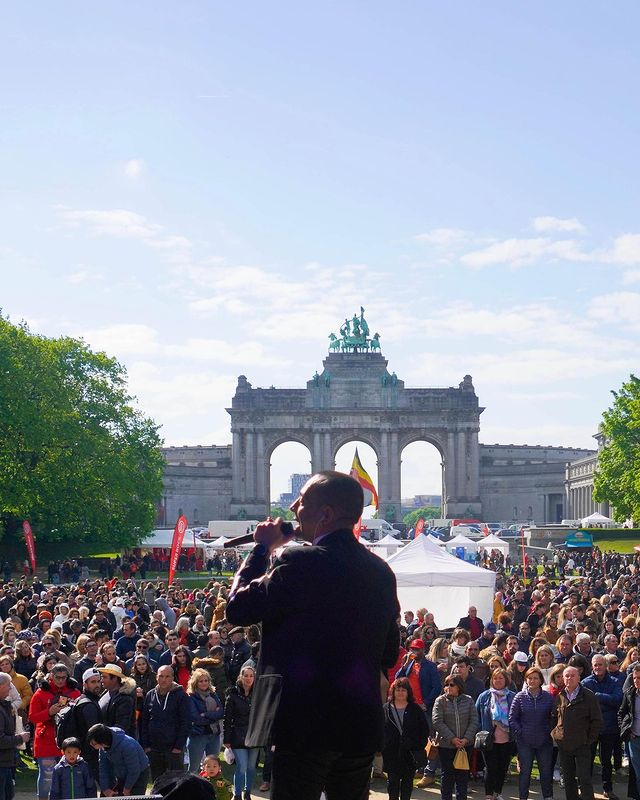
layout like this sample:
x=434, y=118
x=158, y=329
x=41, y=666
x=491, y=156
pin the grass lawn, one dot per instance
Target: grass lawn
x=619, y=545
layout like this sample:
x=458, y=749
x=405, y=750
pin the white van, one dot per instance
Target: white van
x=375, y=529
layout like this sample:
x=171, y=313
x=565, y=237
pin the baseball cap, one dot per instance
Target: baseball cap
x=521, y=657
x=416, y=644
x=92, y=672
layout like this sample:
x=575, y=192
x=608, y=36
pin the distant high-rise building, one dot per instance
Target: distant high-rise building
x=297, y=481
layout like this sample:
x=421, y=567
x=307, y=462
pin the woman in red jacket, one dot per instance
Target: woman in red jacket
x=53, y=694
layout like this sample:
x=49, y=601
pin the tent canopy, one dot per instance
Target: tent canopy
x=162, y=537
x=387, y=541
x=435, y=540
x=493, y=542
x=462, y=541
x=428, y=576
x=598, y=520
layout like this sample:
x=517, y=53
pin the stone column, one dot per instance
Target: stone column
x=316, y=453
x=261, y=470
x=474, y=467
x=250, y=465
x=237, y=468
x=450, y=471
x=395, y=469
x=462, y=466
x=327, y=459
x=384, y=475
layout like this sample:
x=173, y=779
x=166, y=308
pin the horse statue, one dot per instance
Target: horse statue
x=374, y=344
x=334, y=342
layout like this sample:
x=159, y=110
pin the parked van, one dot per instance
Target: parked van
x=375, y=529
x=228, y=528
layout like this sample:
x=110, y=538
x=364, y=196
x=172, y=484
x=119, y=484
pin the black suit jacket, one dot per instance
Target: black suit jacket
x=329, y=627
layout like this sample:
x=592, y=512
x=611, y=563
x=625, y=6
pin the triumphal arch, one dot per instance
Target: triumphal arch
x=355, y=397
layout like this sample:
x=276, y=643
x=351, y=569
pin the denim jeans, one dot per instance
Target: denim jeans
x=543, y=756
x=246, y=760
x=200, y=746
x=6, y=783
x=45, y=776
x=634, y=753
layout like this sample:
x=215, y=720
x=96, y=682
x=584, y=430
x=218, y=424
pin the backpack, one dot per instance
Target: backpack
x=66, y=721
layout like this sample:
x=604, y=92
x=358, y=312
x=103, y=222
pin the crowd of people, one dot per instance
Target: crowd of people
x=113, y=683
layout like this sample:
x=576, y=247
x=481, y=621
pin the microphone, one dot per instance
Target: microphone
x=286, y=528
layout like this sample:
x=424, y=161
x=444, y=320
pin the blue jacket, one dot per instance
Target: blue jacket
x=608, y=692
x=204, y=726
x=69, y=781
x=530, y=718
x=483, y=705
x=166, y=719
x=122, y=762
x=430, y=684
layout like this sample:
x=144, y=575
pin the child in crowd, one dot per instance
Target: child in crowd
x=71, y=775
x=212, y=772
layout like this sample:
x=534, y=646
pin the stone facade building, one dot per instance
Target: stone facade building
x=356, y=398
x=579, y=476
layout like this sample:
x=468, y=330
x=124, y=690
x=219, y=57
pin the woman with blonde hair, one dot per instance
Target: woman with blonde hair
x=550, y=630
x=206, y=712
x=545, y=661
x=439, y=654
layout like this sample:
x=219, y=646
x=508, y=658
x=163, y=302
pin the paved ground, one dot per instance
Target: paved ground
x=476, y=790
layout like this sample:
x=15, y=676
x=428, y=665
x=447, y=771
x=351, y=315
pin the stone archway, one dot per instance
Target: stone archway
x=356, y=397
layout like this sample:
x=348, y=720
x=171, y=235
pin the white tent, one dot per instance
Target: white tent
x=434, y=540
x=429, y=577
x=163, y=537
x=219, y=543
x=493, y=542
x=386, y=546
x=598, y=521
x=462, y=541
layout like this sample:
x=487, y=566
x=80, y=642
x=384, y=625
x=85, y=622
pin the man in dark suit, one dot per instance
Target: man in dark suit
x=329, y=628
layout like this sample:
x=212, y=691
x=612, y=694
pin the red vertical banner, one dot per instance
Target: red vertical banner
x=30, y=543
x=357, y=528
x=176, y=545
x=419, y=528
x=524, y=556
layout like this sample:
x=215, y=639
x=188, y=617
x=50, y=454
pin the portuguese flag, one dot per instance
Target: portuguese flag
x=362, y=476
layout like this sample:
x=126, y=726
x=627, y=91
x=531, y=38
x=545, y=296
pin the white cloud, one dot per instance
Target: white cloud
x=555, y=224
x=625, y=250
x=523, y=367
x=521, y=252
x=631, y=276
x=617, y=308
x=134, y=168
x=117, y=222
x=242, y=353
x=443, y=237
x=123, y=339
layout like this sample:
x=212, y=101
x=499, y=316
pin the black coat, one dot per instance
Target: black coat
x=8, y=739
x=329, y=628
x=236, y=717
x=398, y=747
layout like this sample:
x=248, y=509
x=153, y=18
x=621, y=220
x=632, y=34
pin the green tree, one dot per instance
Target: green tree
x=76, y=458
x=426, y=512
x=278, y=511
x=617, y=478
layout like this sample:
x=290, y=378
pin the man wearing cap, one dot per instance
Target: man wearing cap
x=488, y=635
x=118, y=701
x=87, y=661
x=329, y=629
x=87, y=713
x=240, y=652
x=422, y=674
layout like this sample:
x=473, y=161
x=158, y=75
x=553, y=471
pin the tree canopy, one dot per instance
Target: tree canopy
x=617, y=478
x=77, y=459
x=426, y=512
x=278, y=511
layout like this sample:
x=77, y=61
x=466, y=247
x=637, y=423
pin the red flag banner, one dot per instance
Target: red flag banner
x=357, y=529
x=31, y=545
x=176, y=545
x=419, y=528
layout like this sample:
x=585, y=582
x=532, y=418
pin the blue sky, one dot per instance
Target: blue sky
x=207, y=189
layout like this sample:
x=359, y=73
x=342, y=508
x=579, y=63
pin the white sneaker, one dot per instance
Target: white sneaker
x=499, y=797
x=556, y=775
x=625, y=761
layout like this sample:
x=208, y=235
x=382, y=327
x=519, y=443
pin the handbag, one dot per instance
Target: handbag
x=461, y=759
x=431, y=749
x=484, y=741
